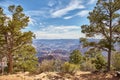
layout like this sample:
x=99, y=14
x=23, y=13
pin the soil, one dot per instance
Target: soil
x=80, y=75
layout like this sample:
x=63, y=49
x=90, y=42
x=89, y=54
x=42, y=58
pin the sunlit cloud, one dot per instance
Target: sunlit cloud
x=68, y=17
x=92, y=1
x=68, y=35
x=59, y=32
x=51, y=3
x=83, y=13
x=59, y=29
x=74, y=4
x=32, y=22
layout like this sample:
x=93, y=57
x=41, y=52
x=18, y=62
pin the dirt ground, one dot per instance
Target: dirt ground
x=80, y=75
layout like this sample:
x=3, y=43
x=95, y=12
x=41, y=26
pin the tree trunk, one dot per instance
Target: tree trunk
x=110, y=40
x=9, y=53
x=109, y=60
x=2, y=65
x=10, y=63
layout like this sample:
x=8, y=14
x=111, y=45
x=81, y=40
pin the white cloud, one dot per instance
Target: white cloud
x=92, y=1
x=68, y=17
x=6, y=3
x=59, y=29
x=32, y=21
x=74, y=4
x=68, y=35
x=51, y=3
x=83, y=13
x=51, y=33
x=59, y=32
x=35, y=13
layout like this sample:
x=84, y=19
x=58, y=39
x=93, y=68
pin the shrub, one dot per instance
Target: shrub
x=87, y=65
x=75, y=57
x=57, y=65
x=49, y=65
x=94, y=60
x=116, y=61
x=99, y=62
x=69, y=68
x=46, y=66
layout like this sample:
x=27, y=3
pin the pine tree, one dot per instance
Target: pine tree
x=2, y=31
x=105, y=23
x=11, y=32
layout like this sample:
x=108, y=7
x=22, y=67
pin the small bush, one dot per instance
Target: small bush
x=116, y=61
x=87, y=66
x=46, y=66
x=93, y=61
x=57, y=65
x=69, y=68
x=49, y=65
x=75, y=57
x=100, y=62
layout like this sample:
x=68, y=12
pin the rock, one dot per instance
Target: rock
x=26, y=73
x=108, y=76
x=118, y=73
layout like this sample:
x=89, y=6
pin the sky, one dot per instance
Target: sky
x=54, y=19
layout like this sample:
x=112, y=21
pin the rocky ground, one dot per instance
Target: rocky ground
x=61, y=76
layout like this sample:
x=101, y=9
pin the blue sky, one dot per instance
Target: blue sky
x=54, y=19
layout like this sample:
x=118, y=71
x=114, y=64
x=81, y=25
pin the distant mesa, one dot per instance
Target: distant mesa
x=59, y=48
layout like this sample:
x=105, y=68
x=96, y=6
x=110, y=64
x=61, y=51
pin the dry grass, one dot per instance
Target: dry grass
x=80, y=75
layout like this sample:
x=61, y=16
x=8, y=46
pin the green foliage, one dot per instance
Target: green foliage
x=75, y=57
x=99, y=62
x=12, y=36
x=69, y=68
x=105, y=23
x=25, y=59
x=93, y=60
x=116, y=61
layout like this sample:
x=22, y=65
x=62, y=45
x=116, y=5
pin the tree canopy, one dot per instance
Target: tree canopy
x=12, y=38
x=104, y=23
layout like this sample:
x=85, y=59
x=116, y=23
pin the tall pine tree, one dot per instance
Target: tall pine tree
x=11, y=33
x=105, y=23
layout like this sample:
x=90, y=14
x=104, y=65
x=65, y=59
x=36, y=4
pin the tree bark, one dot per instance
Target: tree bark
x=10, y=62
x=110, y=40
x=9, y=53
x=109, y=61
